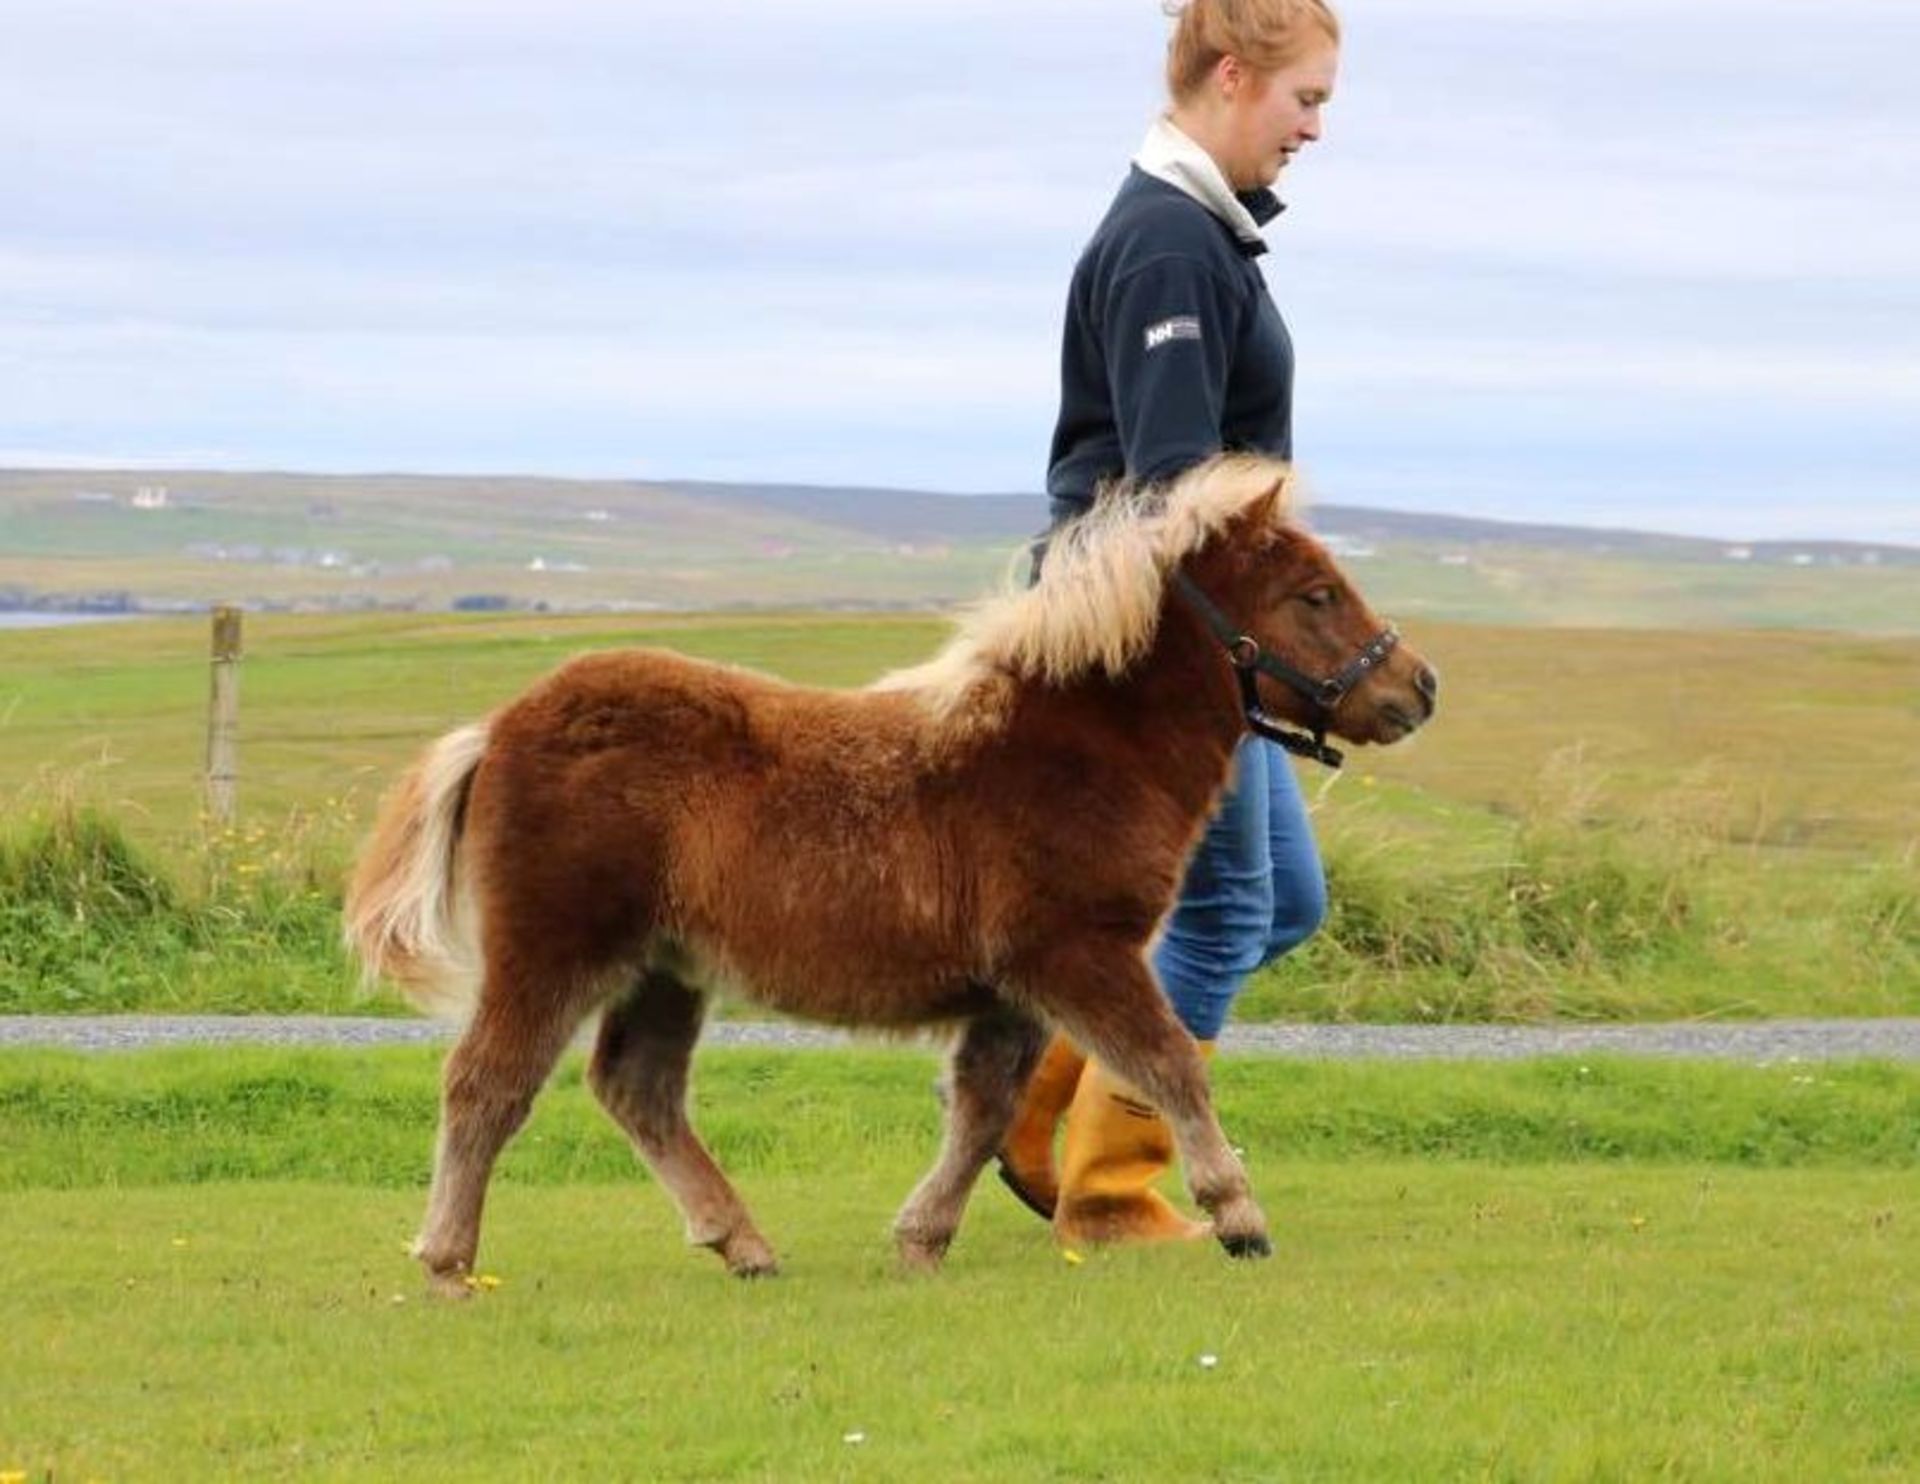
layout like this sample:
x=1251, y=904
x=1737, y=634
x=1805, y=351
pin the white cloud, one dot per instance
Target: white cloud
x=1786, y=375
x=474, y=230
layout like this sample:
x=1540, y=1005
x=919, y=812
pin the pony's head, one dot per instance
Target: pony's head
x=1306, y=647
x=1220, y=531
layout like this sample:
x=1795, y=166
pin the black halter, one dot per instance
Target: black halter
x=1324, y=696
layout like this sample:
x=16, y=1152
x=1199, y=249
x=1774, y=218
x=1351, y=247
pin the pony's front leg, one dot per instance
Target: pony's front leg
x=1105, y=997
x=985, y=1074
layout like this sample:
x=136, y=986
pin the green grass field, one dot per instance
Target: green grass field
x=1596, y=1269
x=1558, y=1270
x=1770, y=739
x=1599, y=825
x=1552, y=1271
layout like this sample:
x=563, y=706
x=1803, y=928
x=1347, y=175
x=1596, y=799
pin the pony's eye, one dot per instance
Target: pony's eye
x=1318, y=597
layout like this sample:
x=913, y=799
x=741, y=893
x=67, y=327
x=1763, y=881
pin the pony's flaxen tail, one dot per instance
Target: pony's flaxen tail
x=404, y=917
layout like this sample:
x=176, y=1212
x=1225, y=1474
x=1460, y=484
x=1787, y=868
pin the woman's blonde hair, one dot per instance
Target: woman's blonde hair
x=1265, y=34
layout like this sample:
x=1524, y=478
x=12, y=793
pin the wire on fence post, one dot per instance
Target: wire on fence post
x=223, y=717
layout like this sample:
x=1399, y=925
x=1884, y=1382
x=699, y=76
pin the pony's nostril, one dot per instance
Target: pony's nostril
x=1427, y=683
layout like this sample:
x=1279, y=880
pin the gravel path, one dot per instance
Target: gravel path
x=1754, y=1041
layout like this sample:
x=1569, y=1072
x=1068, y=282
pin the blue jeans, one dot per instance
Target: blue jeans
x=1254, y=889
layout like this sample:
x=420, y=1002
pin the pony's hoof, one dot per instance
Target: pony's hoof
x=747, y=1255
x=922, y=1257
x=742, y=1249
x=452, y=1285
x=1247, y=1246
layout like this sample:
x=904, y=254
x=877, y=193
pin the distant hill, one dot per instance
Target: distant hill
x=917, y=515
x=136, y=540
x=1401, y=525
x=887, y=514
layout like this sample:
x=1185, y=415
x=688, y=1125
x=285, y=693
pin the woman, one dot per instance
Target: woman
x=1173, y=351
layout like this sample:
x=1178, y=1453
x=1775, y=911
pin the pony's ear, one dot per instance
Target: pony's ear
x=1270, y=509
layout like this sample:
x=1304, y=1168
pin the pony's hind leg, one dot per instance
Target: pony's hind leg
x=985, y=1075
x=639, y=1073
x=507, y=1051
x=1106, y=999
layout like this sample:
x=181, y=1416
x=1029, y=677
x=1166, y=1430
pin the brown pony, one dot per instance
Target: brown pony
x=987, y=843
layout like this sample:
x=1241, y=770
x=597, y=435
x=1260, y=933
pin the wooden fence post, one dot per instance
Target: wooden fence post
x=223, y=717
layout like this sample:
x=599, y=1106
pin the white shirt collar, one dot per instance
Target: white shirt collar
x=1169, y=154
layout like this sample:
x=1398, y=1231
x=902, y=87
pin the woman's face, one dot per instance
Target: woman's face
x=1271, y=115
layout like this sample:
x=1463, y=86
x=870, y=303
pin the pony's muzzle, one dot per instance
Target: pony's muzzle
x=1409, y=704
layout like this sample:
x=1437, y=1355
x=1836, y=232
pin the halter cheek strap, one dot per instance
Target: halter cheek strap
x=1324, y=696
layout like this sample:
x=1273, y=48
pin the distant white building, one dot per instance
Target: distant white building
x=151, y=497
x=1738, y=553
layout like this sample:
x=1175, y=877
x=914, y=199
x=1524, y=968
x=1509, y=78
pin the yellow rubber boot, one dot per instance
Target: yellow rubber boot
x=1026, y=1158
x=1117, y=1147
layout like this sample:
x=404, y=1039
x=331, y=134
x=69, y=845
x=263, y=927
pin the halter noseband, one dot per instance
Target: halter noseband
x=1324, y=696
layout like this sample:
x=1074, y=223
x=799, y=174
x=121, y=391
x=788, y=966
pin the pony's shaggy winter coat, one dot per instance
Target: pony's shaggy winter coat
x=987, y=841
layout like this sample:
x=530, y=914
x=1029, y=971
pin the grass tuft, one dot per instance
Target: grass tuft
x=90, y=923
x=81, y=864
x=1554, y=912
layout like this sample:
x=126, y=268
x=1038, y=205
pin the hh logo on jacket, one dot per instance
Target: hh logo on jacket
x=1180, y=327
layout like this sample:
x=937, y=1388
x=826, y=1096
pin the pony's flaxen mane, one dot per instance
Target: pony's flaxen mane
x=1097, y=604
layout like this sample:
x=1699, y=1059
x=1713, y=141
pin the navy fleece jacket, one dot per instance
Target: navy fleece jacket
x=1173, y=349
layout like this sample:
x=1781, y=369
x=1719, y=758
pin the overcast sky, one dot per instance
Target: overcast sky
x=1604, y=261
